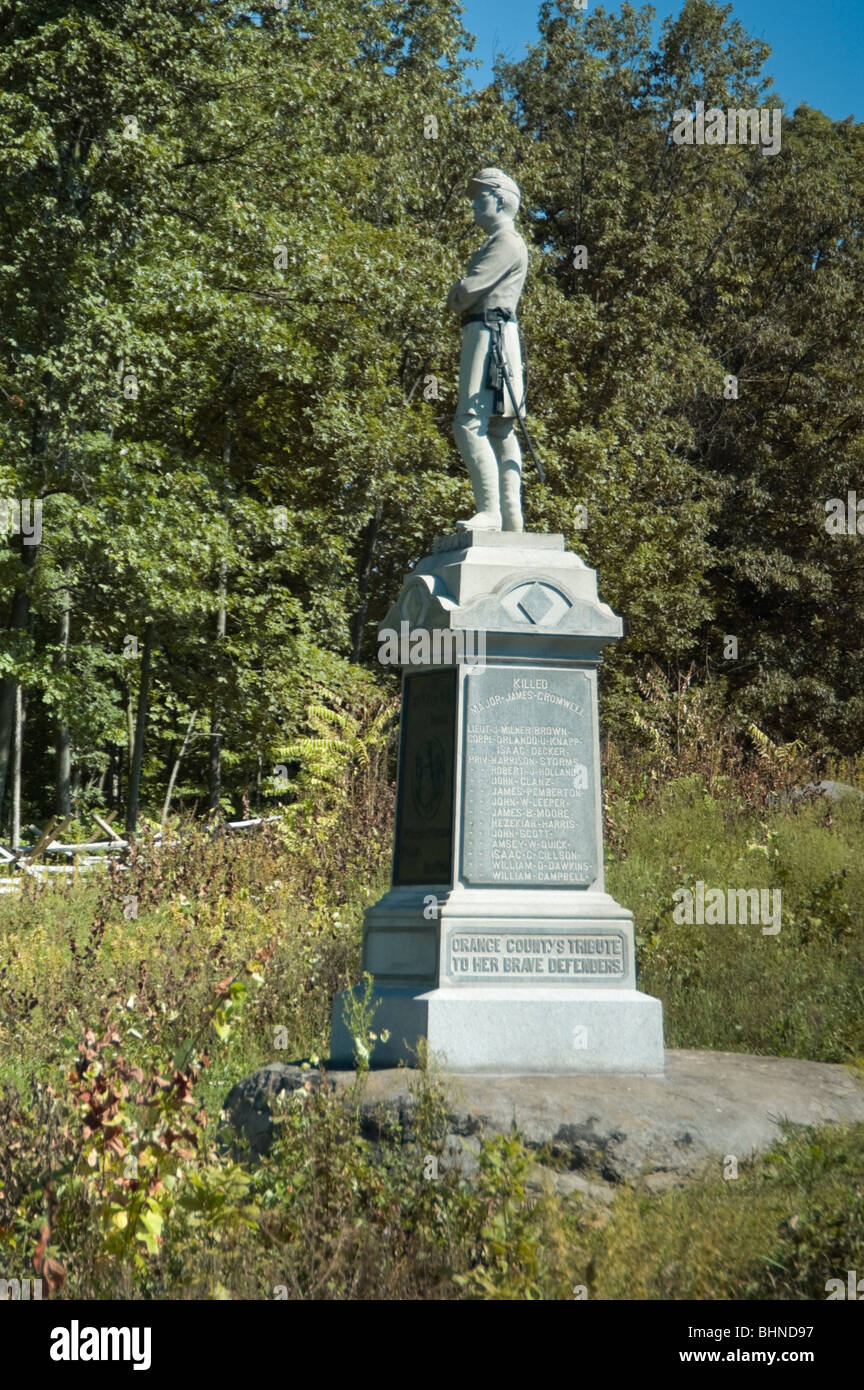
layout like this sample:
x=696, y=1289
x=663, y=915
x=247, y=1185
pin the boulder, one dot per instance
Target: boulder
x=608, y=1128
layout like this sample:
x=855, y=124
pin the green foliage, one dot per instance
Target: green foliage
x=243, y=204
x=778, y=1231
x=511, y=1254
x=226, y=249
x=342, y=755
x=131, y=1151
x=824, y=1237
x=161, y=936
x=115, y=1177
x=729, y=987
x=226, y=246
x=701, y=264
x=358, y=1012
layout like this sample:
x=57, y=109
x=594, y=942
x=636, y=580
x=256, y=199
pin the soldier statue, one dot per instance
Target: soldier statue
x=491, y=389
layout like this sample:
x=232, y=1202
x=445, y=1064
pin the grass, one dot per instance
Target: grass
x=793, y=1219
x=731, y=988
x=151, y=944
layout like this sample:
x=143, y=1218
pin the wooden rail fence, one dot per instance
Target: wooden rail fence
x=22, y=861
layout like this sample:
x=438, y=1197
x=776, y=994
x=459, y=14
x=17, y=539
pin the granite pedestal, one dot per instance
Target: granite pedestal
x=497, y=941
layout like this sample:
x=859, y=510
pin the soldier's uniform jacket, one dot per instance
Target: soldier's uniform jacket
x=494, y=280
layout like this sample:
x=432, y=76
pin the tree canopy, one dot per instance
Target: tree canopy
x=227, y=372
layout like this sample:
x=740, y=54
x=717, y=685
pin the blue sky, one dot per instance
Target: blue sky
x=817, y=45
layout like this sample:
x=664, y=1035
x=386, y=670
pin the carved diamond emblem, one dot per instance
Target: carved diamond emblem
x=536, y=603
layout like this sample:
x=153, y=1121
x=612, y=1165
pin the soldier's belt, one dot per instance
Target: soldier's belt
x=491, y=316
x=497, y=370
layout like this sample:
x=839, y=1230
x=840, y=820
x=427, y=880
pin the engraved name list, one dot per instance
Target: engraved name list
x=529, y=816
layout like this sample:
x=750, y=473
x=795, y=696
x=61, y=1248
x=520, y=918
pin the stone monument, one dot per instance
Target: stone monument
x=497, y=941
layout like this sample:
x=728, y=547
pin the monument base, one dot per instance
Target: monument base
x=501, y=1029
x=497, y=941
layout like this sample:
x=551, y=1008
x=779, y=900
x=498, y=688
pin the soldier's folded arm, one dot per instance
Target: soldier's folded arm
x=485, y=269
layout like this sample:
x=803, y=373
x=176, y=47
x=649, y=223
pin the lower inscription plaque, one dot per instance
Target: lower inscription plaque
x=548, y=955
x=530, y=779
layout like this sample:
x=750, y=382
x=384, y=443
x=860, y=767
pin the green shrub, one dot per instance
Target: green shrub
x=731, y=988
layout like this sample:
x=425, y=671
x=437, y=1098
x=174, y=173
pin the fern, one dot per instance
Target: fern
x=340, y=744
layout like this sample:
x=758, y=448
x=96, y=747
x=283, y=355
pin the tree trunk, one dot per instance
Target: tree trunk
x=371, y=542
x=176, y=768
x=130, y=725
x=62, y=744
x=215, y=760
x=214, y=770
x=140, y=730
x=16, y=770
x=18, y=622
x=115, y=786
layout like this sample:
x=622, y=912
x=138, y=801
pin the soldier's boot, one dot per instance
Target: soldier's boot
x=482, y=464
x=511, y=505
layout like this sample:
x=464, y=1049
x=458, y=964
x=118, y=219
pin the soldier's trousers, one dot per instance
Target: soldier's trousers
x=489, y=446
x=489, y=443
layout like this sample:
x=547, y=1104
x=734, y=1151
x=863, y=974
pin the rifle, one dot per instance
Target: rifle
x=502, y=370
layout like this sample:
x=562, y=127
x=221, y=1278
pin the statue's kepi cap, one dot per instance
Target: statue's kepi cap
x=496, y=181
